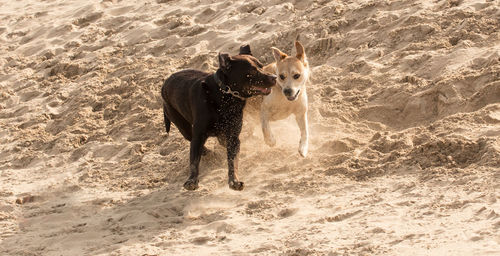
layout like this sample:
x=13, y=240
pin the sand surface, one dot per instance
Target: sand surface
x=404, y=110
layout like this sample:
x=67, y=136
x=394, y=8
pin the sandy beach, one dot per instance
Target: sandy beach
x=404, y=116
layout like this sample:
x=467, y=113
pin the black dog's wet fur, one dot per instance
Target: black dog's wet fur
x=193, y=101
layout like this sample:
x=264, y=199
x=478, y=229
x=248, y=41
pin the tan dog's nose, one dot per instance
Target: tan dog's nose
x=287, y=92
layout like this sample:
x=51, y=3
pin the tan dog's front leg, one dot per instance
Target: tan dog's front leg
x=266, y=130
x=304, y=133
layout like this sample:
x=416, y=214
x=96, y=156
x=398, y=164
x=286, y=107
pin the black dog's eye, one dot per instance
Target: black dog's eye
x=282, y=77
x=296, y=76
x=252, y=73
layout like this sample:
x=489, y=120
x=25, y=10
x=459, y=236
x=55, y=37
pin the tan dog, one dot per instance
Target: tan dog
x=288, y=96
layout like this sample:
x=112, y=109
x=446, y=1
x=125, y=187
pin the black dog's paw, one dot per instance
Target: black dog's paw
x=191, y=184
x=236, y=185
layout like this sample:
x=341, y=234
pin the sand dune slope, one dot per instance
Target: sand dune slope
x=404, y=117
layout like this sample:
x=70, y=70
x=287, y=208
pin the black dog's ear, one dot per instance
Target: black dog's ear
x=245, y=49
x=224, y=61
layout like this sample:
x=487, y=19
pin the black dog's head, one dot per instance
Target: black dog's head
x=243, y=73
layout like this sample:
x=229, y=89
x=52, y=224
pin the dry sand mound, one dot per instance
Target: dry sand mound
x=404, y=118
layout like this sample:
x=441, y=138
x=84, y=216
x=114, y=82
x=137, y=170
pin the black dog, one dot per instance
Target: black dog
x=202, y=105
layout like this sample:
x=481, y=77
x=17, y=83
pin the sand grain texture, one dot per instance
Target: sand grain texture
x=404, y=118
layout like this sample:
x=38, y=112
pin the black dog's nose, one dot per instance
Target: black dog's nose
x=287, y=92
x=272, y=78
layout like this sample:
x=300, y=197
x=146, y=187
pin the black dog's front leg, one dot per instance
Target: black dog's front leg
x=195, y=153
x=233, y=148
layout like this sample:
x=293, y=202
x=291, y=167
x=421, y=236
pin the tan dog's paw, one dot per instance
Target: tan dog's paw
x=270, y=141
x=303, y=150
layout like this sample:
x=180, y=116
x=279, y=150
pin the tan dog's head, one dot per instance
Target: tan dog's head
x=292, y=71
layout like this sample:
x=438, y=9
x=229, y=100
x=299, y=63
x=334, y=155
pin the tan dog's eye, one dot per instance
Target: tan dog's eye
x=296, y=76
x=282, y=77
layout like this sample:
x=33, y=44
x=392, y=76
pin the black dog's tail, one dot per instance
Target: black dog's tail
x=164, y=100
x=167, y=121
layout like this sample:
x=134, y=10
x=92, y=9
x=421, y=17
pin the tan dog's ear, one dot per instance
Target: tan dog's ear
x=278, y=55
x=301, y=54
